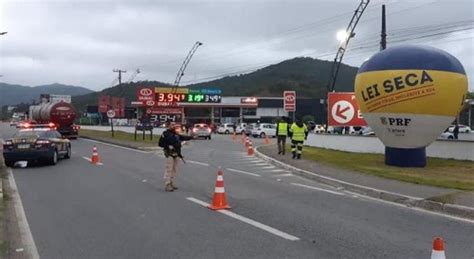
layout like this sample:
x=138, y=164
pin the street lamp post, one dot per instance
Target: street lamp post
x=3, y=32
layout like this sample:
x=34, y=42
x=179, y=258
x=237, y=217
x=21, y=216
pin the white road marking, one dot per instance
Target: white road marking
x=242, y=172
x=254, y=223
x=252, y=161
x=197, y=163
x=316, y=188
x=278, y=170
x=144, y=181
x=260, y=164
x=117, y=146
x=365, y=197
x=88, y=159
x=267, y=167
x=282, y=175
x=24, y=228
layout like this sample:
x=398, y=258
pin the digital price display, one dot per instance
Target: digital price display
x=169, y=97
x=203, y=98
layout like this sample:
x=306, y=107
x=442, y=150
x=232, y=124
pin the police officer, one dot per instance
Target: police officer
x=282, y=133
x=170, y=141
x=298, y=133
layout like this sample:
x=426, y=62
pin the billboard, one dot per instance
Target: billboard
x=343, y=110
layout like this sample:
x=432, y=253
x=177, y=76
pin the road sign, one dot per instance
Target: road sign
x=110, y=113
x=343, y=110
x=289, y=101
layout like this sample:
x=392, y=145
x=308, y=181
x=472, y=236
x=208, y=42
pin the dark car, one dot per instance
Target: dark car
x=36, y=145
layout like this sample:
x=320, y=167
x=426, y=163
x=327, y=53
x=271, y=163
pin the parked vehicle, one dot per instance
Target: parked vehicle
x=36, y=143
x=141, y=126
x=462, y=128
x=264, y=129
x=367, y=131
x=240, y=129
x=226, y=128
x=318, y=128
x=446, y=135
x=201, y=130
x=249, y=128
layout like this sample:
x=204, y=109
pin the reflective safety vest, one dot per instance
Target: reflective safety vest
x=299, y=133
x=282, y=128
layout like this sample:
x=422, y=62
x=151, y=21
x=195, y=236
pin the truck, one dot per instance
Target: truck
x=60, y=114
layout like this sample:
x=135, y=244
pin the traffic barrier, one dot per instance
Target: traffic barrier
x=95, y=156
x=250, y=149
x=267, y=140
x=438, y=249
x=219, y=201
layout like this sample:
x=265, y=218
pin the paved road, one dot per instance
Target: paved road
x=119, y=210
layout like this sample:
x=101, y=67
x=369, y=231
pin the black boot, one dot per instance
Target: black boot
x=299, y=156
x=294, y=155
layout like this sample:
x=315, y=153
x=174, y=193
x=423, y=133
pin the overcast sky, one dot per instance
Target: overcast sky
x=79, y=42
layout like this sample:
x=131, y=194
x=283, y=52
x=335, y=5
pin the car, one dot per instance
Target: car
x=240, y=129
x=249, y=128
x=367, y=131
x=201, y=130
x=13, y=123
x=462, y=128
x=446, y=135
x=318, y=128
x=264, y=129
x=36, y=144
x=226, y=128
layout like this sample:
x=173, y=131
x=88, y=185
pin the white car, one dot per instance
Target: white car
x=462, y=128
x=319, y=128
x=264, y=129
x=226, y=128
x=240, y=128
x=446, y=135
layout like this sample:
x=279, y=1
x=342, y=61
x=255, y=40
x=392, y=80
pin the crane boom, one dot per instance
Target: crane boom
x=135, y=73
x=342, y=48
x=185, y=63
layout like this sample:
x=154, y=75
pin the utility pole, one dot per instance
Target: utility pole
x=383, y=40
x=119, y=71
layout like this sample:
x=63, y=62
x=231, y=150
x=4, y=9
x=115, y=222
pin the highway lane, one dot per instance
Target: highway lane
x=120, y=210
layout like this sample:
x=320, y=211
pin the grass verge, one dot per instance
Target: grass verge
x=447, y=173
x=121, y=137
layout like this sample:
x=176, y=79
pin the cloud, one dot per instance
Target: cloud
x=80, y=42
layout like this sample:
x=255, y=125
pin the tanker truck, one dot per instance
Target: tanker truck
x=61, y=114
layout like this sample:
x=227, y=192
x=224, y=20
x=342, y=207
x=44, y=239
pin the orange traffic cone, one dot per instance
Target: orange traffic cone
x=438, y=249
x=250, y=149
x=242, y=139
x=219, y=202
x=267, y=140
x=95, y=156
x=247, y=141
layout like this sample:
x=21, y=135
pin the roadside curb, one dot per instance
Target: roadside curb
x=120, y=144
x=409, y=201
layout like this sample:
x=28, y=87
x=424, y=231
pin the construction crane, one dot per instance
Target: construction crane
x=135, y=73
x=347, y=35
x=185, y=64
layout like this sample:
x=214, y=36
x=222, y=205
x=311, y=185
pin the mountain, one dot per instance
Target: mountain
x=307, y=76
x=15, y=94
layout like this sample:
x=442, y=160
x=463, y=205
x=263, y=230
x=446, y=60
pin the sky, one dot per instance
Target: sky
x=80, y=42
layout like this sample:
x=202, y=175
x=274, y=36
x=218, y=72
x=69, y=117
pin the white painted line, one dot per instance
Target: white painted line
x=358, y=195
x=254, y=223
x=260, y=164
x=88, y=159
x=197, y=163
x=268, y=167
x=242, y=172
x=316, y=188
x=282, y=175
x=278, y=170
x=117, y=146
x=24, y=228
x=253, y=161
